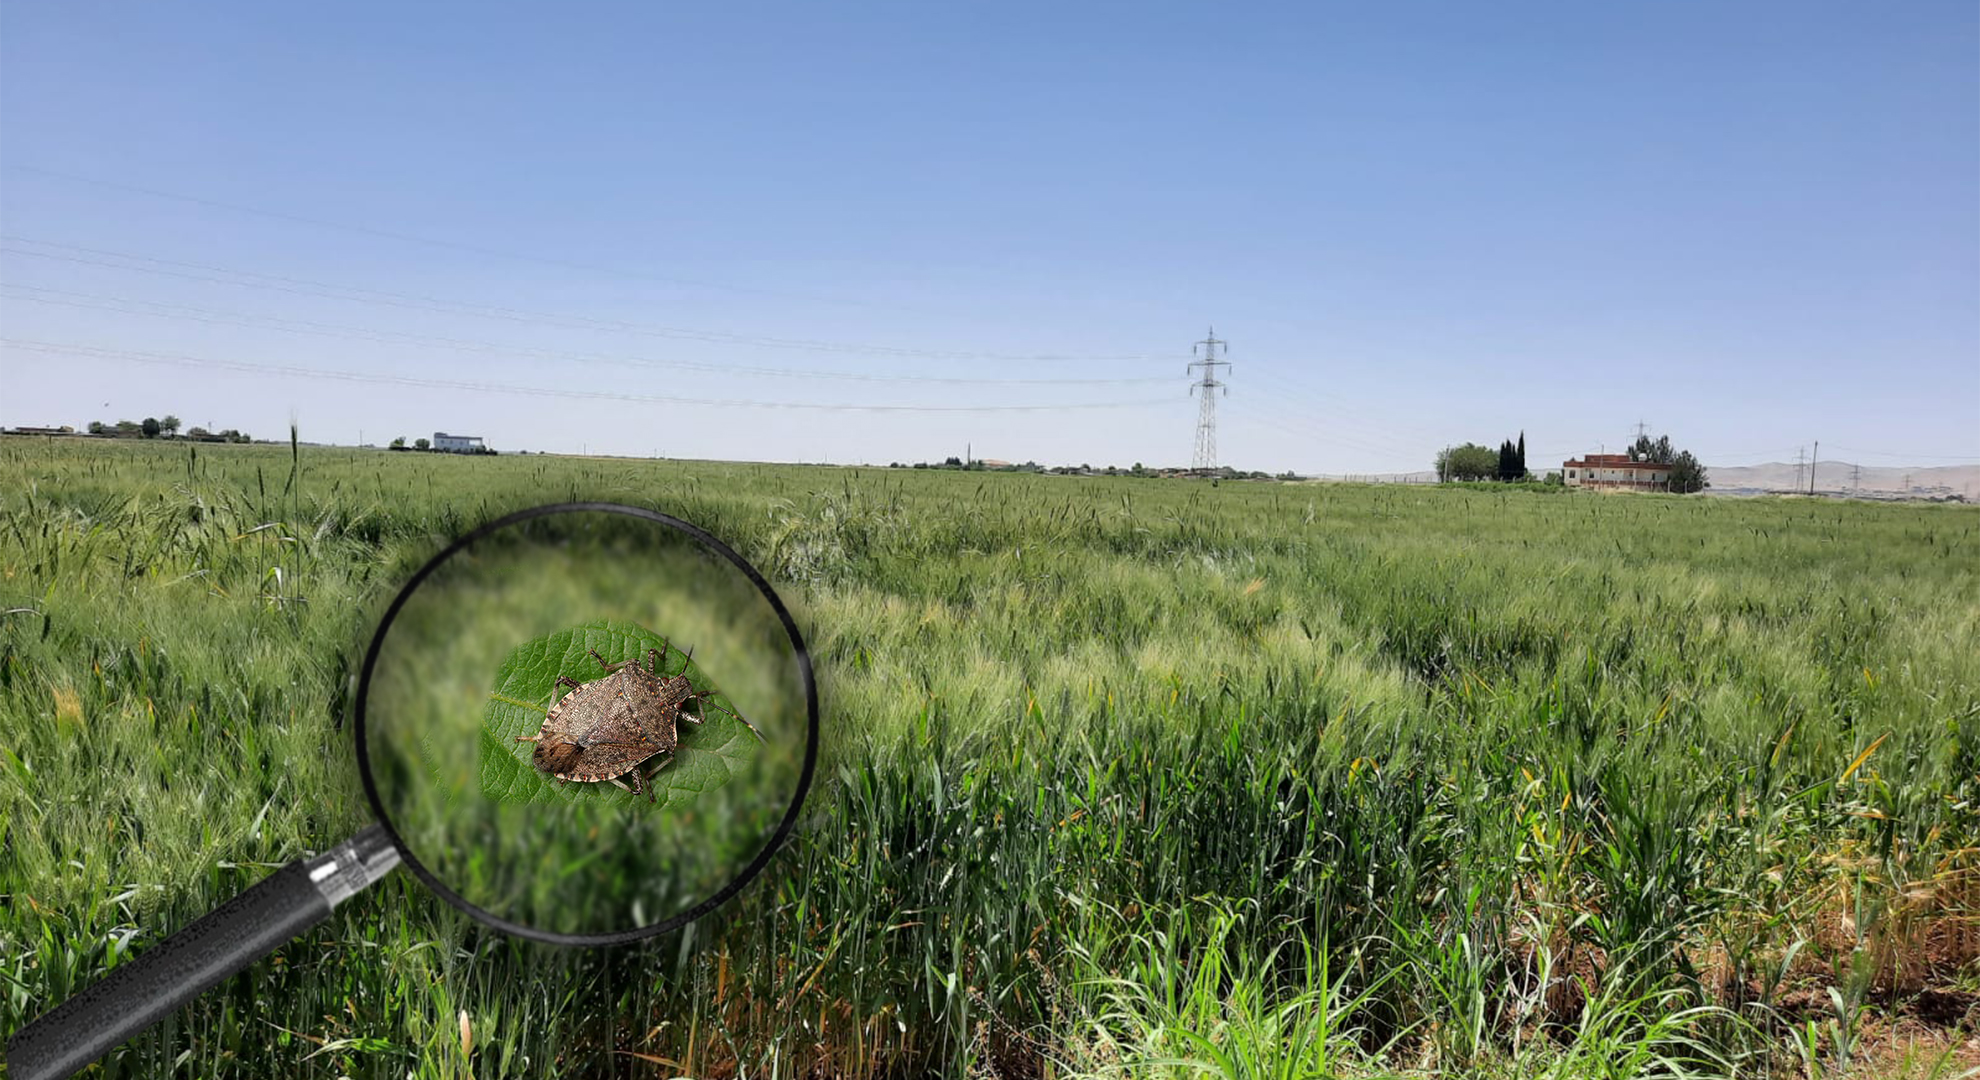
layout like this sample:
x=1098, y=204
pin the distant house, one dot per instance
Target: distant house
x=1615, y=471
x=457, y=444
x=38, y=431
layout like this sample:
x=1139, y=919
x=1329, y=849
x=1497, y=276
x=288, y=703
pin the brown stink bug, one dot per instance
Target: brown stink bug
x=607, y=728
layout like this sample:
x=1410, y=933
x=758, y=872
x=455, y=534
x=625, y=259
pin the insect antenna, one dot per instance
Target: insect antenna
x=698, y=699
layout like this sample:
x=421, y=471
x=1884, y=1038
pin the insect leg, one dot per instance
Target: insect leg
x=612, y=668
x=566, y=680
x=653, y=661
x=529, y=738
x=636, y=788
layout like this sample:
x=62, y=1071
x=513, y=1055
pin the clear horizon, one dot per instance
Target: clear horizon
x=882, y=234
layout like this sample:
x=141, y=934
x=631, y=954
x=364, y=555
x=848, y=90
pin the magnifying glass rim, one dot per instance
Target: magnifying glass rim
x=674, y=922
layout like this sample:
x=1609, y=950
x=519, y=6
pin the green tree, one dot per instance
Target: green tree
x=97, y=427
x=399, y=443
x=1520, y=459
x=1467, y=462
x=1656, y=450
x=421, y=444
x=150, y=427
x=1687, y=474
x=169, y=425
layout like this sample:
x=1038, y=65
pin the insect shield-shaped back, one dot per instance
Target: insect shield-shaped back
x=610, y=727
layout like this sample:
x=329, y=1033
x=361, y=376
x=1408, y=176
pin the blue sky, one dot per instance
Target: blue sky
x=1752, y=226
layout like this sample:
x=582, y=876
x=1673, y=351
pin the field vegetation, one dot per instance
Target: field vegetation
x=1122, y=777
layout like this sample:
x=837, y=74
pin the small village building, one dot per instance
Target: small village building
x=1616, y=471
x=457, y=444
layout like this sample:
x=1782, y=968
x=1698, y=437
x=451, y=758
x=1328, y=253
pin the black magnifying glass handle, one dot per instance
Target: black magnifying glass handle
x=142, y=991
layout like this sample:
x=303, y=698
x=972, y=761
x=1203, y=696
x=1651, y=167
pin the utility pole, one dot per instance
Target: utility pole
x=1800, y=464
x=1855, y=476
x=1206, y=410
x=1814, y=460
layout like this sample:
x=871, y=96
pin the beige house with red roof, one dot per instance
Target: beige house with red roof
x=1616, y=471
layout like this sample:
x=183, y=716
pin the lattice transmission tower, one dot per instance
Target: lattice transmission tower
x=1206, y=410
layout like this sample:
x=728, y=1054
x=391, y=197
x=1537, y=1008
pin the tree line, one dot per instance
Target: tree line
x=1471, y=461
x=153, y=427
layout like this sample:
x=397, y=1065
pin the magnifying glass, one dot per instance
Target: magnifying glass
x=582, y=723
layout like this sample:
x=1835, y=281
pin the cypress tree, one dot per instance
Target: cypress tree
x=1520, y=460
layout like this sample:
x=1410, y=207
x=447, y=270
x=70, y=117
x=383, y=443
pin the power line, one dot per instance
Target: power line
x=1262, y=410
x=1902, y=454
x=1316, y=436
x=1721, y=455
x=1338, y=416
x=359, y=294
x=1373, y=442
x=128, y=306
x=181, y=360
x=428, y=241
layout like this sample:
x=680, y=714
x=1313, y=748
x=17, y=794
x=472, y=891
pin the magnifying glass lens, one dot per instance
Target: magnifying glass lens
x=585, y=724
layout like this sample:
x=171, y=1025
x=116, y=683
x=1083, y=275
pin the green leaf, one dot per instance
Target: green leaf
x=709, y=754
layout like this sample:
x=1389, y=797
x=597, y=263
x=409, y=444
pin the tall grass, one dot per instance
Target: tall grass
x=1123, y=777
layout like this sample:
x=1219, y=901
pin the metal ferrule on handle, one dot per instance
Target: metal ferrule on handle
x=140, y=992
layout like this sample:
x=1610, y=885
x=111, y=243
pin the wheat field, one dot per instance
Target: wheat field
x=1120, y=777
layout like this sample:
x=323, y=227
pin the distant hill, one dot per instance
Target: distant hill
x=1837, y=478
